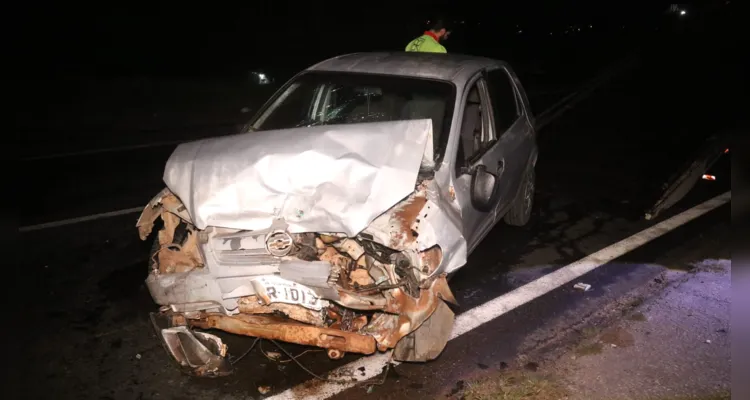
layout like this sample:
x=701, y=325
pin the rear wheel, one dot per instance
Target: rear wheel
x=520, y=212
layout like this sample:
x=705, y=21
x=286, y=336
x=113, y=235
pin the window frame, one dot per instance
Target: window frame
x=488, y=136
x=516, y=99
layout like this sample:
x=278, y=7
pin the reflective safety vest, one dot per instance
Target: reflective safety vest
x=426, y=43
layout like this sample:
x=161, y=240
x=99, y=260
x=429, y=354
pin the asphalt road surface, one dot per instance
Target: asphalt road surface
x=85, y=311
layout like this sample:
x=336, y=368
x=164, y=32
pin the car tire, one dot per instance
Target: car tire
x=520, y=212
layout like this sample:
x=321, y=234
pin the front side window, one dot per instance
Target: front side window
x=504, y=100
x=327, y=98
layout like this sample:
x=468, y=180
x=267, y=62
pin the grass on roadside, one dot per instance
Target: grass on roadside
x=516, y=385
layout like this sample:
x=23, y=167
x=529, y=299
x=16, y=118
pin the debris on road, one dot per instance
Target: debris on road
x=264, y=389
x=584, y=287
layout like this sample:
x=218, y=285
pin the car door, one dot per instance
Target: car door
x=514, y=133
x=476, y=146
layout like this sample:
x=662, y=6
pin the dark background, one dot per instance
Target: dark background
x=129, y=73
x=205, y=39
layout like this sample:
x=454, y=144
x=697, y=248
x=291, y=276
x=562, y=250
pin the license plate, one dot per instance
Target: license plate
x=279, y=290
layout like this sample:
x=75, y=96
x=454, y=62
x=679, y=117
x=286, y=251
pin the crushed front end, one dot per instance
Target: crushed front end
x=384, y=288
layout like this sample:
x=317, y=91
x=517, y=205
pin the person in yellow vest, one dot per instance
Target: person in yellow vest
x=429, y=42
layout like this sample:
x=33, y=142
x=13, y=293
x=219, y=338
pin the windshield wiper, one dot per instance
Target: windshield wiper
x=308, y=122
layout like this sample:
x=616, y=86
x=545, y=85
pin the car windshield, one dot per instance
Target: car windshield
x=326, y=98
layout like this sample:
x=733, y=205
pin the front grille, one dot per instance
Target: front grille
x=246, y=257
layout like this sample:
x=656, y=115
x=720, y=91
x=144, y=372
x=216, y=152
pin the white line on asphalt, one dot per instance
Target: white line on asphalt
x=477, y=316
x=105, y=150
x=70, y=221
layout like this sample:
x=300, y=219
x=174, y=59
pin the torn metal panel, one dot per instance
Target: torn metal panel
x=406, y=313
x=198, y=353
x=275, y=328
x=430, y=260
x=163, y=201
x=428, y=341
x=334, y=178
x=421, y=221
x=177, y=254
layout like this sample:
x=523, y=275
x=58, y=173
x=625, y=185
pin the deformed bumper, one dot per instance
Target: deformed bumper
x=335, y=292
x=276, y=328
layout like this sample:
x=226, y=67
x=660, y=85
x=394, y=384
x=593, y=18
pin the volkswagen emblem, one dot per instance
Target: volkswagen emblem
x=279, y=243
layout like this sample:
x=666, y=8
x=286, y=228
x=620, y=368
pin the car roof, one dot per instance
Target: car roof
x=449, y=67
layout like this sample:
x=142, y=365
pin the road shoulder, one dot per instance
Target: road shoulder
x=665, y=341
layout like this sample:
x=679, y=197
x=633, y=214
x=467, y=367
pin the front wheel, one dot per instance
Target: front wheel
x=520, y=212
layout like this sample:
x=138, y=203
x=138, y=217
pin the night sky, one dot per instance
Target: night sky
x=183, y=38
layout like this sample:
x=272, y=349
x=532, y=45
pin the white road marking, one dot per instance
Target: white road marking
x=477, y=316
x=70, y=221
x=104, y=150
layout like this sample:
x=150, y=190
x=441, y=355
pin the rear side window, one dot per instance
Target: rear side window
x=503, y=97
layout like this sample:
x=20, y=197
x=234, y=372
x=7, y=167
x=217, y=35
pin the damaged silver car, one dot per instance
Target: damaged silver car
x=334, y=219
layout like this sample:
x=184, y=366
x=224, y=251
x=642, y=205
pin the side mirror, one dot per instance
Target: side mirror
x=483, y=189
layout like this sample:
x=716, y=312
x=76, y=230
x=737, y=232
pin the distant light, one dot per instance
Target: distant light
x=709, y=177
x=683, y=12
x=591, y=26
x=520, y=30
x=261, y=78
x=726, y=151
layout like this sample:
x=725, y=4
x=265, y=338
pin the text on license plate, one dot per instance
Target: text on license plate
x=280, y=290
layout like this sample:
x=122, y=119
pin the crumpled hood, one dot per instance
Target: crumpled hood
x=335, y=178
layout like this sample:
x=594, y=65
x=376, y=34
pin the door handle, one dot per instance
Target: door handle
x=500, y=165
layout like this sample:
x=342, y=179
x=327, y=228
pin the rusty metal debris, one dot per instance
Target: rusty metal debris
x=382, y=294
x=177, y=254
x=253, y=305
x=276, y=328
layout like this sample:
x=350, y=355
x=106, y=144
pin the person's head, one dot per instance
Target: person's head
x=440, y=28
